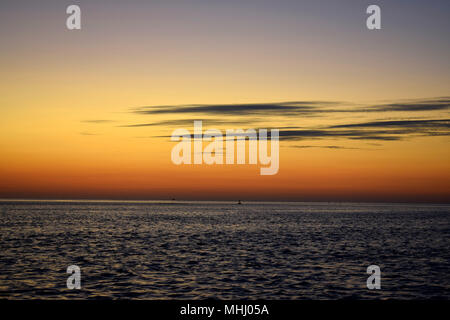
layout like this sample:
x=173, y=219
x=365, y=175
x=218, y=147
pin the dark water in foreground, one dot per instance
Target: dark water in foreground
x=200, y=250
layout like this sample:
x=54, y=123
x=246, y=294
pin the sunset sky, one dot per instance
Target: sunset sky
x=363, y=114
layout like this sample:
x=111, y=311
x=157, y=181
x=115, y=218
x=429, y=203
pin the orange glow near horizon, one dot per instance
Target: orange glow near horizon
x=119, y=171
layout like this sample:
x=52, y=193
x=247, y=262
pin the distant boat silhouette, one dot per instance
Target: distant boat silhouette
x=239, y=202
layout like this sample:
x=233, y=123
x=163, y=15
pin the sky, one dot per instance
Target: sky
x=363, y=114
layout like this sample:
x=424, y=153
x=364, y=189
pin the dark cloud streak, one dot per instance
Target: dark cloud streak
x=97, y=121
x=189, y=122
x=296, y=108
x=286, y=108
x=382, y=130
x=414, y=106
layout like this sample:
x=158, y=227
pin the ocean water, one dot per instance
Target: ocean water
x=221, y=250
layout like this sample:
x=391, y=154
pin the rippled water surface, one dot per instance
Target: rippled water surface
x=182, y=250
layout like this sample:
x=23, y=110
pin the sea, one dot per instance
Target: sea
x=223, y=250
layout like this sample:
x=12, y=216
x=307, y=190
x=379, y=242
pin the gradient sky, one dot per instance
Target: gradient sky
x=86, y=114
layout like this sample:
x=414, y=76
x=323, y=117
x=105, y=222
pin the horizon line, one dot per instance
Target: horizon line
x=217, y=200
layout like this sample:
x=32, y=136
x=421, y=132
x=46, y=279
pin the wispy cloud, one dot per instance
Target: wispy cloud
x=434, y=104
x=413, y=124
x=374, y=130
x=88, y=134
x=289, y=112
x=189, y=122
x=324, y=147
x=381, y=130
x=97, y=121
x=301, y=134
x=297, y=108
x=284, y=108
